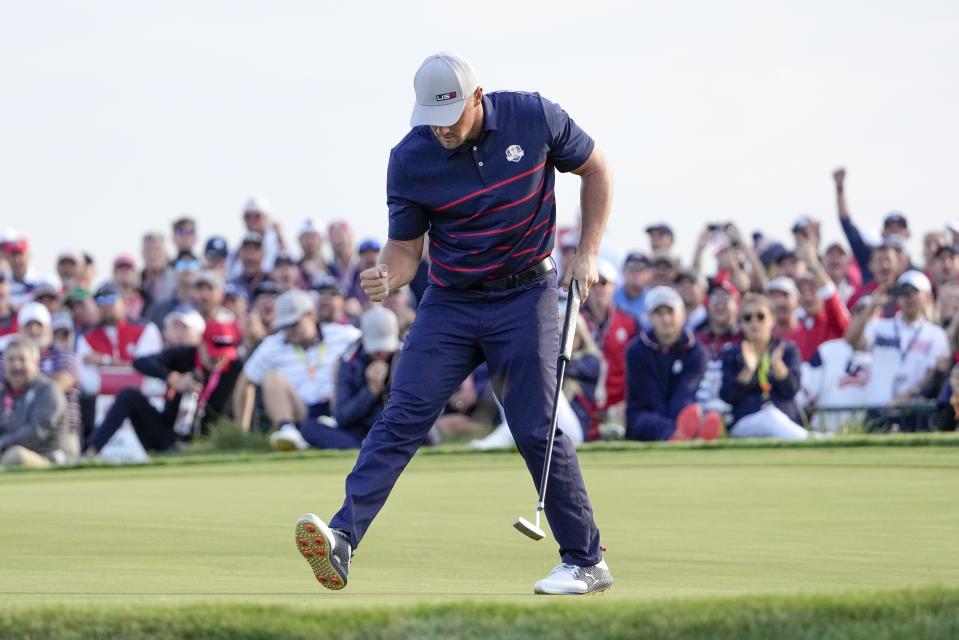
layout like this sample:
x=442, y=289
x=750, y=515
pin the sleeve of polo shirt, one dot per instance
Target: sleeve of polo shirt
x=260, y=362
x=408, y=221
x=569, y=146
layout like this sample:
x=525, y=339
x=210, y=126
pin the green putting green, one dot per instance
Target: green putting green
x=677, y=523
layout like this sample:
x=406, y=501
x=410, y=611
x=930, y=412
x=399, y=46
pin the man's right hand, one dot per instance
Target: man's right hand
x=376, y=282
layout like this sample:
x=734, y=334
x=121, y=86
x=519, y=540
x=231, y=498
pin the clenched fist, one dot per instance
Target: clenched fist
x=376, y=282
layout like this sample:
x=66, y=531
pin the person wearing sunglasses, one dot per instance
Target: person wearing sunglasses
x=761, y=377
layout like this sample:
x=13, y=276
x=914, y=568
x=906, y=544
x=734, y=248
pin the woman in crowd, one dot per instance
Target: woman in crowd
x=761, y=378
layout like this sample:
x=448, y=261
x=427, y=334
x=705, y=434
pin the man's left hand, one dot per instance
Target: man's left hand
x=583, y=269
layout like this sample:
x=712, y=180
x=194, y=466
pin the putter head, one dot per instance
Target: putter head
x=529, y=529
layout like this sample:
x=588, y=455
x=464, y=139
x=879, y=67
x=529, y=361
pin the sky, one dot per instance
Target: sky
x=116, y=117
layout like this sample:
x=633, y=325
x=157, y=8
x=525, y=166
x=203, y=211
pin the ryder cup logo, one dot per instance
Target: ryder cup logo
x=514, y=153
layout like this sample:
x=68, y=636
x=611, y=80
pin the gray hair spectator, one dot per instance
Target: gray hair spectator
x=157, y=279
x=343, y=265
x=33, y=424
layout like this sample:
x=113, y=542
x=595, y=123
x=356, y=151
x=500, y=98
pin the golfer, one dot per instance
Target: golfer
x=476, y=173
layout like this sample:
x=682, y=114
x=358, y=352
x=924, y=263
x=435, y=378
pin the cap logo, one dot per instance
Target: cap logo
x=443, y=97
x=514, y=153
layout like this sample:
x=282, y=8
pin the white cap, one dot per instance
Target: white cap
x=953, y=226
x=442, y=83
x=915, y=279
x=291, y=306
x=309, y=226
x=190, y=317
x=381, y=331
x=783, y=284
x=663, y=296
x=257, y=204
x=607, y=271
x=33, y=312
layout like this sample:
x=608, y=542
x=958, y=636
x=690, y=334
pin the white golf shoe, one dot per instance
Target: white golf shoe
x=569, y=579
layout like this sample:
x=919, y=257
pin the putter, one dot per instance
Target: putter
x=524, y=526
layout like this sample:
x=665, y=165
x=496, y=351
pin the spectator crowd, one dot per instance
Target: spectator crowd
x=784, y=338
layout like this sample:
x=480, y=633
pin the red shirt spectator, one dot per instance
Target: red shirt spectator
x=825, y=318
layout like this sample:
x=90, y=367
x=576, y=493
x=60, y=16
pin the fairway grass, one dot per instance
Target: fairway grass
x=804, y=529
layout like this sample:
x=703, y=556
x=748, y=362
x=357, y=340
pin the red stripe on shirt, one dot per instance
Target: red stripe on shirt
x=464, y=269
x=509, y=204
x=436, y=280
x=493, y=232
x=489, y=188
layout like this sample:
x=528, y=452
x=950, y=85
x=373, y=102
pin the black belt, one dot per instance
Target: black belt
x=510, y=282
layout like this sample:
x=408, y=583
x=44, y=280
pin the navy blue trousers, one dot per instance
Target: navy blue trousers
x=517, y=333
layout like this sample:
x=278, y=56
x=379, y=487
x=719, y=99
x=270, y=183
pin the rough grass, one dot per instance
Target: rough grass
x=929, y=614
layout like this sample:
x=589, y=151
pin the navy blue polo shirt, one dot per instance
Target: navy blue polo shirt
x=489, y=205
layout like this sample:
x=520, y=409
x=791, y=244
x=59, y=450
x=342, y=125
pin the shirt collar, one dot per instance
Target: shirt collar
x=489, y=124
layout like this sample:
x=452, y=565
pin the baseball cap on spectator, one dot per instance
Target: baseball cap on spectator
x=221, y=338
x=188, y=316
x=772, y=253
x=69, y=255
x=283, y=258
x=124, y=261
x=915, y=279
x=327, y=284
x=443, y=84
x=210, y=278
x=252, y=237
x=663, y=296
x=661, y=227
x=62, y=321
x=16, y=244
x=291, y=306
x=380, y=329
x=691, y=276
x=835, y=245
x=783, y=284
x=77, y=294
x=894, y=217
x=234, y=290
x=801, y=223
x=106, y=294
x=786, y=255
x=726, y=286
x=606, y=271
x=216, y=248
x=33, y=312
x=369, y=245
x=663, y=260
x=267, y=288
x=637, y=258
x=947, y=248
x=308, y=226
x=257, y=205
x=895, y=241
x=47, y=286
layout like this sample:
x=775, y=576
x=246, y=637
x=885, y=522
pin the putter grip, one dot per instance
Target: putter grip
x=569, y=322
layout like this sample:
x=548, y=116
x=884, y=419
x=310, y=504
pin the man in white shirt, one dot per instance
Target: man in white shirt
x=904, y=348
x=294, y=367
